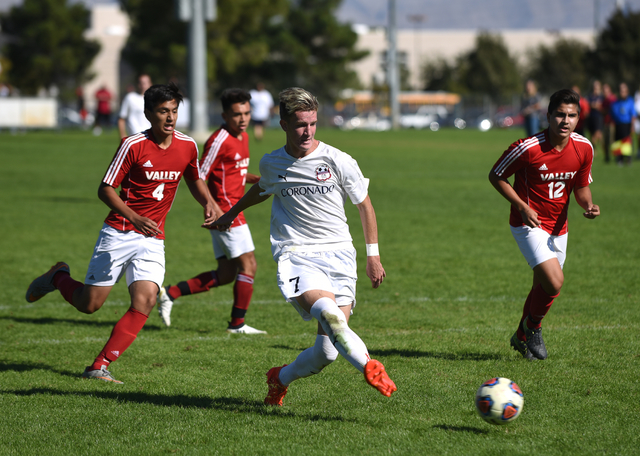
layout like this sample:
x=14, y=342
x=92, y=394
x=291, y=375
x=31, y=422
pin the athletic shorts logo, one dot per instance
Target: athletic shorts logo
x=323, y=172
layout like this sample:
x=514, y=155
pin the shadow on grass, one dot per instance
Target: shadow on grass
x=225, y=404
x=68, y=199
x=287, y=347
x=437, y=355
x=472, y=430
x=51, y=321
x=24, y=367
x=418, y=354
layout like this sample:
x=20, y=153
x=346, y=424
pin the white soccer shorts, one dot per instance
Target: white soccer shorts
x=119, y=252
x=332, y=270
x=538, y=246
x=233, y=243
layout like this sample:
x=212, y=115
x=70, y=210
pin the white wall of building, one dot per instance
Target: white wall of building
x=110, y=27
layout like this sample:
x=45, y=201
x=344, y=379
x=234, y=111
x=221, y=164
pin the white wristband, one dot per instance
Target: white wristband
x=372, y=250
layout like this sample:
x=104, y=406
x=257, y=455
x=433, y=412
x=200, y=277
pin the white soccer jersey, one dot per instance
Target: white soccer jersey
x=132, y=111
x=309, y=196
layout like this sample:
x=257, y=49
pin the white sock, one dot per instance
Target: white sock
x=334, y=323
x=311, y=361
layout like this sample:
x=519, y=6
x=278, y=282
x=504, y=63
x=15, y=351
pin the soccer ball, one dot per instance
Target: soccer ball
x=499, y=401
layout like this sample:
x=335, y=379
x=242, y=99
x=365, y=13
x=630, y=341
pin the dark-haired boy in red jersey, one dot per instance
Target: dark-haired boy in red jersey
x=148, y=167
x=224, y=165
x=547, y=168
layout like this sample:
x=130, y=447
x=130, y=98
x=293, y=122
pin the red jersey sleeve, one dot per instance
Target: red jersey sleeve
x=583, y=179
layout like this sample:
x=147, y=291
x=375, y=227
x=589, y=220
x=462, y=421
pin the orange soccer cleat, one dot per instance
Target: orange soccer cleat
x=376, y=376
x=277, y=390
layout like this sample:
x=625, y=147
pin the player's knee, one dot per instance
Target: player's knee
x=330, y=317
x=250, y=268
x=90, y=306
x=248, y=264
x=555, y=285
x=226, y=275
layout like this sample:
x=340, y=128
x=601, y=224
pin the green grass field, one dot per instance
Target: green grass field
x=441, y=321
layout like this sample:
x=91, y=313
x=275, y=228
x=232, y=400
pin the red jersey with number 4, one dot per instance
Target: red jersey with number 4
x=545, y=177
x=150, y=176
x=224, y=166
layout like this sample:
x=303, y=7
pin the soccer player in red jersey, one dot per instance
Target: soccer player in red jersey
x=148, y=167
x=547, y=168
x=224, y=165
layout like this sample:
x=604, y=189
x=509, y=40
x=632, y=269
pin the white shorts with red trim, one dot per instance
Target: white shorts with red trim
x=301, y=269
x=125, y=252
x=233, y=243
x=538, y=246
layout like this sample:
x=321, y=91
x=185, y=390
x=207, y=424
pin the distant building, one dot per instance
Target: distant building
x=416, y=47
x=110, y=27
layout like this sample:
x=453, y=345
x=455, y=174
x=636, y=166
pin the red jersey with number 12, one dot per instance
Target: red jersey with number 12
x=150, y=176
x=545, y=177
x=224, y=166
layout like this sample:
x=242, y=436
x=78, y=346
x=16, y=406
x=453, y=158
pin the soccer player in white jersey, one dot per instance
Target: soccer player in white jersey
x=148, y=167
x=311, y=243
x=132, y=119
x=547, y=168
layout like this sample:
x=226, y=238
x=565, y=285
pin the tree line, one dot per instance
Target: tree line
x=490, y=69
x=286, y=43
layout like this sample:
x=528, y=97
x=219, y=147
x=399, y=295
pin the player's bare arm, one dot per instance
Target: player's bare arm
x=375, y=271
x=122, y=129
x=251, y=198
x=502, y=185
x=252, y=178
x=202, y=195
x=583, y=198
x=108, y=196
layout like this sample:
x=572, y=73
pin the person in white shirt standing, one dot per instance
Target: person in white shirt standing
x=261, y=105
x=131, y=119
x=311, y=243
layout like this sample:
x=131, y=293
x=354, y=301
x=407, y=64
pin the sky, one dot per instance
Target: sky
x=485, y=14
x=469, y=14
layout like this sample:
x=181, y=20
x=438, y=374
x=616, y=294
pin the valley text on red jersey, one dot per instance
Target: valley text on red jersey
x=149, y=176
x=224, y=167
x=545, y=177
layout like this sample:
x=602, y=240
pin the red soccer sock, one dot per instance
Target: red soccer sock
x=200, y=283
x=242, y=292
x=525, y=313
x=66, y=285
x=122, y=336
x=540, y=304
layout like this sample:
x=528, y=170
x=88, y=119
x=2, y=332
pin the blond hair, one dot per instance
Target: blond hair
x=295, y=99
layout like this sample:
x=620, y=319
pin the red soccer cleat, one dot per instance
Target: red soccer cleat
x=376, y=376
x=277, y=390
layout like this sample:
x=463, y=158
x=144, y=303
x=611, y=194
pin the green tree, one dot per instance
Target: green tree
x=489, y=69
x=279, y=42
x=314, y=50
x=560, y=65
x=440, y=74
x=157, y=40
x=49, y=47
x=617, y=55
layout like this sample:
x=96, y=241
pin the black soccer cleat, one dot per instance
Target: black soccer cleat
x=534, y=341
x=521, y=347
